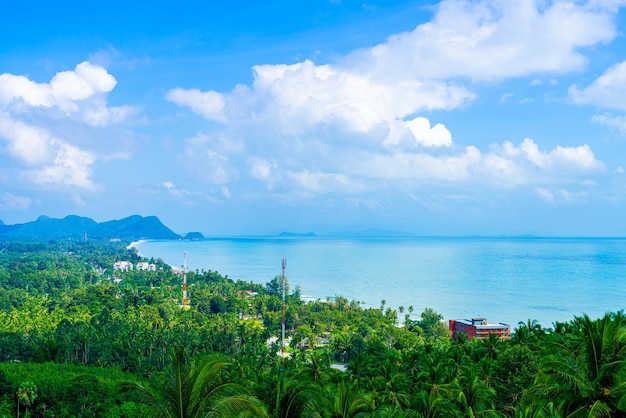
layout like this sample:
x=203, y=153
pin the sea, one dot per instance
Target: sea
x=502, y=279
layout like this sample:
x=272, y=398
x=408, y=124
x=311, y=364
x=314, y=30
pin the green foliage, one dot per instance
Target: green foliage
x=514, y=372
x=196, y=387
x=76, y=328
x=77, y=390
x=584, y=372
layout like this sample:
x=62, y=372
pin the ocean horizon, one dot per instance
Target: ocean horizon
x=504, y=279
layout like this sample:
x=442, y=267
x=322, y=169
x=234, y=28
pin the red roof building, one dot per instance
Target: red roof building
x=478, y=328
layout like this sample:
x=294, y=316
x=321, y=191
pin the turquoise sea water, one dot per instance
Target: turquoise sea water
x=503, y=279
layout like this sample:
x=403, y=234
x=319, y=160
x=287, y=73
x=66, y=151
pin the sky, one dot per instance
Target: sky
x=457, y=117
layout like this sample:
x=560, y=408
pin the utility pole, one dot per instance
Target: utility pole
x=185, y=304
x=282, y=349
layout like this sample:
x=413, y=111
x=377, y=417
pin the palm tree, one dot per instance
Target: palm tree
x=26, y=394
x=196, y=387
x=536, y=409
x=292, y=395
x=347, y=401
x=527, y=332
x=474, y=397
x=586, y=374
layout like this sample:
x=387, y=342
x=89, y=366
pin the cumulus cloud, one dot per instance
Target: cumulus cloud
x=301, y=96
x=59, y=162
x=579, y=158
x=437, y=136
x=71, y=166
x=209, y=104
x=412, y=72
x=29, y=144
x=484, y=40
x=367, y=119
x=305, y=95
x=79, y=93
x=506, y=165
x=608, y=90
x=36, y=120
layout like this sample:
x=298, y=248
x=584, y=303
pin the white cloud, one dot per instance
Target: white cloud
x=60, y=162
x=47, y=125
x=265, y=171
x=71, y=167
x=506, y=165
x=13, y=201
x=545, y=195
x=209, y=104
x=614, y=122
x=304, y=95
x=190, y=198
x=31, y=145
x=319, y=182
x=416, y=166
x=484, y=40
x=608, y=90
x=206, y=158
x=301, y=96
x=101, y=115
x=569, y=159
x=175, y=191
x=361, y=122
x=68, y=87
x=437, y=136
x=559, y=196
x=80, y=93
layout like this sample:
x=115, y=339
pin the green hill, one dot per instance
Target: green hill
x=77, y=227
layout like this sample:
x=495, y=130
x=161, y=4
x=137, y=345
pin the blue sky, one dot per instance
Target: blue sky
x=439, y=118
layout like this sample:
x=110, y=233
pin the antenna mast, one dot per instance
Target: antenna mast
x=282, y=348
x=185, y=300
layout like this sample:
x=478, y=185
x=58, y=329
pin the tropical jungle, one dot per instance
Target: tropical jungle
x=80, y=338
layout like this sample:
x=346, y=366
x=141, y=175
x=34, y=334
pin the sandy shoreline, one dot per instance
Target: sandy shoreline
x=134, y=244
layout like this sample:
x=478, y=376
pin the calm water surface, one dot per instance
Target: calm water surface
x=504, y=279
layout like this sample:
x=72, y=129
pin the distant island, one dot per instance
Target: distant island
x=297, y=234
x=371, y=232
x=194, y=236
x=75, y=227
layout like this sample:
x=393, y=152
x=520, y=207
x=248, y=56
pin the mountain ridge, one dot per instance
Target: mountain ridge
x=132, y=228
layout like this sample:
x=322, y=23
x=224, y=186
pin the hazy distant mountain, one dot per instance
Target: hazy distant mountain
x=297, y=234
x=194, y=236
x=372, y=232
x=77, y=227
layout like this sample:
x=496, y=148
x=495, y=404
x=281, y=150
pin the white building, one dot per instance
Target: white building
x=123, y=265
x=143, y=265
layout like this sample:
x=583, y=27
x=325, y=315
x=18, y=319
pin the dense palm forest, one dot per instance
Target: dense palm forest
x=80, y=339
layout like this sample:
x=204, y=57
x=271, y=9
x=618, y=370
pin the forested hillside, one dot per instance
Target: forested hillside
x=78, y=338
x=79, y=228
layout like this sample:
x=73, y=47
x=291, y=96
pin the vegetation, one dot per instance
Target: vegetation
x=80, y=339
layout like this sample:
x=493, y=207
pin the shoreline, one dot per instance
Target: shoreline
x=134, y=244
x=504, y=281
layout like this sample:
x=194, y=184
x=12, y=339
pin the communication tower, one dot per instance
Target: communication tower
x=282, y=346
x=185, y=304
